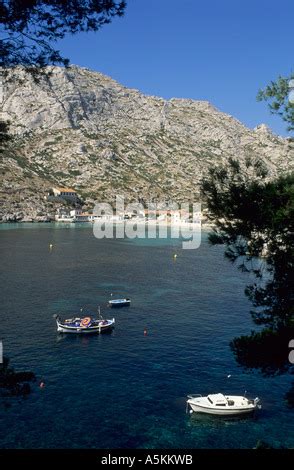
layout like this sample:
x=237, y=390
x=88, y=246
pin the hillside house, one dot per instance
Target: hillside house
x=65, y=193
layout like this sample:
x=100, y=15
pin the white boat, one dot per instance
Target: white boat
x=119, y=302
x=219, y=404
x=85, y=325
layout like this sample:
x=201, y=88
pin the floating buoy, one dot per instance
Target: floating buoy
x=50, y=246
x=175, y=256
x=42, y=384
x=85, y=321
x=145, y=332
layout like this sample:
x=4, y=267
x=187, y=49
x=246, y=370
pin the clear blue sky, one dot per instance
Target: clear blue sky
x=222, y=51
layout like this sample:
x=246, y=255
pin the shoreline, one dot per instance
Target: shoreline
x=188, y=226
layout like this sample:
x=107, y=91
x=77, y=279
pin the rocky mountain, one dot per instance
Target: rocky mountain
x=81, y=129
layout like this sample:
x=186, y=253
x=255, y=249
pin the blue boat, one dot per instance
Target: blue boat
x=84, y=325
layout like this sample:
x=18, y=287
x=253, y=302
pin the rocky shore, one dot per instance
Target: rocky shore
x=27, y=208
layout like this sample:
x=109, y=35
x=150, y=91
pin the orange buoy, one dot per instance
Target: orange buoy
x=85, y=321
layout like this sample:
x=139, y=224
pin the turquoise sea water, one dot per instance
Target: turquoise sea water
x=124, y=389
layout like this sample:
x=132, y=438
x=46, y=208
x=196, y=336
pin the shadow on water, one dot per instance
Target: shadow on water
x=203, y=419
x=84, y=338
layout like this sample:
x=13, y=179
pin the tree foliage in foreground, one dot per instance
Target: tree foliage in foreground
x=14, y=383
x=276, y=94
x=254, y=218
x=28, y=28
x=266, y=350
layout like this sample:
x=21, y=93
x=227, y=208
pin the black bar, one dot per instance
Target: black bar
x=135, y=458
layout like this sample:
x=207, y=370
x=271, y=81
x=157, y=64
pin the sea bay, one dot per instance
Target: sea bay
x=127, y=389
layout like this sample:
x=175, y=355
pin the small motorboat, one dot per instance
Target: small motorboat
x=219, y=404
x=84, y=325
x=119, y=302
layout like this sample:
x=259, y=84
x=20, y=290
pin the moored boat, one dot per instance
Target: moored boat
x=119, y=302
x=222, y=405
x=85, y=325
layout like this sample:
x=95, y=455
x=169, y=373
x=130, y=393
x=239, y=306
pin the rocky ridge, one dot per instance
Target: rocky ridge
x=81, y=129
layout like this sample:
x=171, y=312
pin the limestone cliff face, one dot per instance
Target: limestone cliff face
x=82, y=129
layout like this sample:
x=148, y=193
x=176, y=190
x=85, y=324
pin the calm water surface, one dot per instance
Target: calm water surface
x=127, y=390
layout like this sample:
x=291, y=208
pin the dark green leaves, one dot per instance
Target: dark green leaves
x=29, y=28
x=277, y=96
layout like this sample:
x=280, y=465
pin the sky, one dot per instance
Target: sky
x=222, y=51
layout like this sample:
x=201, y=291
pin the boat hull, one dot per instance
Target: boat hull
x=119, y=304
